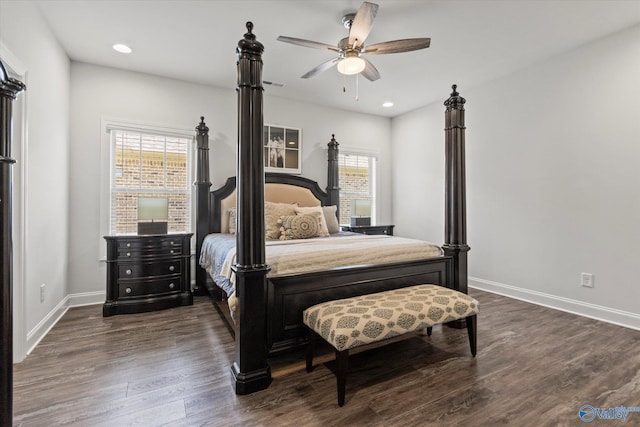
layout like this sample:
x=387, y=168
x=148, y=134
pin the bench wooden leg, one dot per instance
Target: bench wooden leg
x=472, y=322
x=310, y=349
x=342, y=361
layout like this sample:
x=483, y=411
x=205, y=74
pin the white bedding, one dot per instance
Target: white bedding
x=286, y=257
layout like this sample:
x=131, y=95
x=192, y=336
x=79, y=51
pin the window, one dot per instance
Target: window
x=357, y=182
x=147, y=163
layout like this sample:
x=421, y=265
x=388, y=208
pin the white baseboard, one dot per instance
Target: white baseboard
x=580, y=308
x=87, y=298
x=73, y=300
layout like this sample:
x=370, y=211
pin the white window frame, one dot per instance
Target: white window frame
x=107, y=125
x=373, y=178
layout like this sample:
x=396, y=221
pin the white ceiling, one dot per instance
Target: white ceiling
x=472, y=41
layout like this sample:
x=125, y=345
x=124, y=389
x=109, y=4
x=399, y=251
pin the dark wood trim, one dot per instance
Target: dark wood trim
x=333, y=175
x=9, y=89
x=203, y=185
x=342, y=367
x=250, y=370
x=455, y=242
x=472, y=330
x=217, y=196
x=299, y=181
x=289, y=296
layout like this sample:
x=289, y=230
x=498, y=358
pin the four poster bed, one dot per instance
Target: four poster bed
x=271, y=299
x=345, y=266
x=293, y=288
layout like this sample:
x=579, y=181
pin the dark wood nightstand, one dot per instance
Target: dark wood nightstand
x=146, y=273
x=369, y=229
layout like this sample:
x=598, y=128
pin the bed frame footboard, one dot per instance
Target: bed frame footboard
x=289, y=296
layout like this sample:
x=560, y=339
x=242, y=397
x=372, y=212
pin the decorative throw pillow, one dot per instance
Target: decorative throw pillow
x=232, y=220
x=273, y=212
x=298, y=227
x=319, y=214
x=331, y=219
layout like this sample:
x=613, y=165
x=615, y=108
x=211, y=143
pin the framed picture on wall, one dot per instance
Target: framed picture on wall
x=282, y=147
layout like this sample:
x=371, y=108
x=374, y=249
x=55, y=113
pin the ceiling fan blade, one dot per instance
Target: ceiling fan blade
x=370, y=72
x=307, y=43
x=322, y=67
x=362, y=23
x=397, y=46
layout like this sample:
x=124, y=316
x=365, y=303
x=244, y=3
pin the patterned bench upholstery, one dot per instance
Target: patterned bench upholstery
x=353, y=322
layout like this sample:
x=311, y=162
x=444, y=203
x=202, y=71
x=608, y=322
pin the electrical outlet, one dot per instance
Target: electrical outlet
x=586, y=280
x=42, y=292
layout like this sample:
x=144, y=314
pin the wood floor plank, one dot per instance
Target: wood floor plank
x=535, y=366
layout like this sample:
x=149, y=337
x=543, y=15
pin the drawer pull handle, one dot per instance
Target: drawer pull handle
x=128, y=245
x=172, y=251
x=128, y=290
x=171, y=286
x=171, y=268
x=128, y=272
x=171, y=243
x=128, y=253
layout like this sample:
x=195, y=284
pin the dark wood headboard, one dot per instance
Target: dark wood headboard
x=217, y=196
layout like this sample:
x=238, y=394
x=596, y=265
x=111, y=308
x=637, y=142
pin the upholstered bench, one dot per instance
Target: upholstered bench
x=353, y=322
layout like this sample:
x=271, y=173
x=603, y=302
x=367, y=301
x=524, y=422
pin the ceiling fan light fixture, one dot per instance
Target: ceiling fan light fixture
x=350, y=65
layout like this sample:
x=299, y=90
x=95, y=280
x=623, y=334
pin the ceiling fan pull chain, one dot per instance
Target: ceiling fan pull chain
x=357, y=87
x=344, y=83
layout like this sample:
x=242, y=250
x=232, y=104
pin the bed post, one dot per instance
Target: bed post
x=202, y=201
x=333, y=175
x=9, y=89
x=455, y=194
x=250, y=370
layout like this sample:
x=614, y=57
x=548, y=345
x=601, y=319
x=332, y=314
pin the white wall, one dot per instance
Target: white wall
x=552, y=179
x=98, y=92
x=26, y=35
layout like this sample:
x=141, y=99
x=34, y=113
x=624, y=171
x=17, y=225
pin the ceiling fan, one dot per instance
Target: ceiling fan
x=350, y=49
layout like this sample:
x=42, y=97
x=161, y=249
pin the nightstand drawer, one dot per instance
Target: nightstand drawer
x=137, y=288
x=139, y=253
x=140, y=242
x=146, y=269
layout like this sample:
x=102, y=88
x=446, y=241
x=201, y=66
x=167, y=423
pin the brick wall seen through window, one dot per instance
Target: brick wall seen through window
x=357, y=181
x=149, y=165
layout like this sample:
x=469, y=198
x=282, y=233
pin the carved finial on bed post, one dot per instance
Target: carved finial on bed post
x=202, y=143
x=333, y=174
x=455, y=192
x=249, y=34
x=250, y=370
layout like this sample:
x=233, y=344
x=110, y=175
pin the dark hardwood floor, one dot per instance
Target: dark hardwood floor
x=535, y=366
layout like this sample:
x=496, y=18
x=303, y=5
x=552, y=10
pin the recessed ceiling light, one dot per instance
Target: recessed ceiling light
x=122, y=48
x=387, y=104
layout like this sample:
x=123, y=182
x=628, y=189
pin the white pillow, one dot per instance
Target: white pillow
x=318, y=212
x=331, y=219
